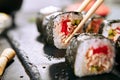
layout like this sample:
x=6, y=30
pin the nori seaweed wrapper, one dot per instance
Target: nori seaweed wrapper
x=49, y=32
x=117, y=47
x=39, y=21
x=42, y=22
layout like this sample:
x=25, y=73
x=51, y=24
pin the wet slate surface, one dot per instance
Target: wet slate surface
x=43, y=62
x=34, y=55
x=14, y=69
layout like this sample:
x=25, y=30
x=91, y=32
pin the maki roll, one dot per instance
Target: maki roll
x=93, y=25
x=61, y=27
x=111, y=30
x=90, y=54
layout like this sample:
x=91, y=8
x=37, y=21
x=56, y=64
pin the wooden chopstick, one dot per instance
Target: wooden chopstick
x=87, y=16
x=83, y=5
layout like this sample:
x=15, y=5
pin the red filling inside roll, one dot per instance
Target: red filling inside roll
x=100, y=50
x=64, y=26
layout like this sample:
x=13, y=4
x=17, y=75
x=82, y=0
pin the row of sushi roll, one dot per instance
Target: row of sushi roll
x=44, y=13
x=93, y=50
x=95, y=53
x=57, y=26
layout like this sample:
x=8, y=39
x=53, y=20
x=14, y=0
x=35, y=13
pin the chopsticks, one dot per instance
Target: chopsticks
x=83, y=5
x=87, y=16
x=7, y=55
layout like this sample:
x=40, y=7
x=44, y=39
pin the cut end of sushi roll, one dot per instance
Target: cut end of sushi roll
x=97, y=56
x=93, y=55
x=64, y=25
x=112, y=30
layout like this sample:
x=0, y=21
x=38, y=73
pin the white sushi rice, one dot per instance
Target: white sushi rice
x=80, y=68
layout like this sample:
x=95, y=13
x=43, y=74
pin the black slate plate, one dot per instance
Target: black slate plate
x=61, y=71
x=45, y=62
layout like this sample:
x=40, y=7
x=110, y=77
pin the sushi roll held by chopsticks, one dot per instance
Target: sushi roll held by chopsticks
x=86, y=17
x=64, y=26
x=90, y=54
x=61, y=26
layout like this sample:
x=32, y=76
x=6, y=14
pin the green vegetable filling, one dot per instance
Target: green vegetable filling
x=111, y=33
x=75, y=22
x=95, y=68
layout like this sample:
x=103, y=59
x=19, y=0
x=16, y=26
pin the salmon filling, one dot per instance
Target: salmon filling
x=94, y=26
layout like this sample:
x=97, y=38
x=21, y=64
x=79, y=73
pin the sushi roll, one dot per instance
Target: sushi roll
x=90, y=54
x=111, y=30
x=61, y=27
x=93, y=25
x=44, y=15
